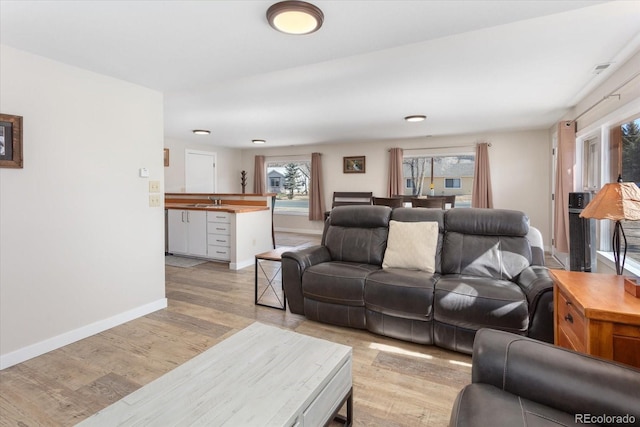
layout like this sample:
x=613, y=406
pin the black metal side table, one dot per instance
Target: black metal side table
x=270, y=277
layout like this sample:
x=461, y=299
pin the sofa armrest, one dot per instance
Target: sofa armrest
x=294, y=263
x=537, y=246
x=571, y=382
x=537, y=284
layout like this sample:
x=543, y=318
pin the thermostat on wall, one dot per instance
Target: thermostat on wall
x=144, y=173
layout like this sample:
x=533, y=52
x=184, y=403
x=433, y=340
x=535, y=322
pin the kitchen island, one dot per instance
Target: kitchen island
x=232, y=231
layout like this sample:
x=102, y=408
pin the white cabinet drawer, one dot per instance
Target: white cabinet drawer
x=219, y=217
x=219, y=252
x=218, y=228
x=219, y=240
x=318, y=412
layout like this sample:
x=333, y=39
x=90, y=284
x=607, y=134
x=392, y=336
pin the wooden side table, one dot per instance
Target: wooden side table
x=594, y=315
x=271, y=278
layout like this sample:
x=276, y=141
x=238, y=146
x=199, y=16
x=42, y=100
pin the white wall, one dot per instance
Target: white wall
x=80, y=248
x=520, y=171
x=227, y=169
x=606, y=105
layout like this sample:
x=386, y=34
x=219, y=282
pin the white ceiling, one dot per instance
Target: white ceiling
x=470, y=66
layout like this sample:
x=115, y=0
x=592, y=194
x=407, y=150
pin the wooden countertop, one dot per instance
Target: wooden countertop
x=222, y=208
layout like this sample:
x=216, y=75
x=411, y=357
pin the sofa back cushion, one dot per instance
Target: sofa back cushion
x=423, y=214
x=486, y=242
x=357, y=233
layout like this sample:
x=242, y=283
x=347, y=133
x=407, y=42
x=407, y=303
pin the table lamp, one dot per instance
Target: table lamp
x=617, y=201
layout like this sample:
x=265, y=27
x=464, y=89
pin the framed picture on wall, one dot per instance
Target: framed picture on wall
x=10, y=141
x=354, y=164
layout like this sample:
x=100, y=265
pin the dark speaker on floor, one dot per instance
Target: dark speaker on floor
x=581, y=233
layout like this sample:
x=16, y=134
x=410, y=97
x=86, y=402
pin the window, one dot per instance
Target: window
x=621, y=157
x=452, y=183
x=625, y=144
x=591, y=155
x=440, y=175
x=630, y=152
x=290, y=180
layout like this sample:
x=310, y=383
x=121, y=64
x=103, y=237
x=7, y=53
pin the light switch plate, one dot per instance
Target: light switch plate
x=154, y=186
x=154, y=200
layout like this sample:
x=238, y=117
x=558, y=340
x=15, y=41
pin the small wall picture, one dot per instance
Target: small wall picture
x=166, y=157
x=355, y=164
x=10, y=141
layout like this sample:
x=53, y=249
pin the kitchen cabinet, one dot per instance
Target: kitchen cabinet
x=187, y=232
x=219, y=235
x=228, y=233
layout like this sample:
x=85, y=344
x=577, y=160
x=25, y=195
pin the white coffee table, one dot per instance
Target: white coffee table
x=261, y=376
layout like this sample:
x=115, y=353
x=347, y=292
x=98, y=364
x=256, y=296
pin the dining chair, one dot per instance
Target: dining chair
x=430, y=202
x=448, y=200
x=393, y=202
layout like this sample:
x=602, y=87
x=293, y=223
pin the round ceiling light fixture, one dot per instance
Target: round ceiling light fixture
x=258, y=141
x=201, y=131
x=295, y=17
x=416, y=118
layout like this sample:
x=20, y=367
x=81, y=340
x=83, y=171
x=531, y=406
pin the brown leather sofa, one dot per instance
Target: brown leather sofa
x=517, y=381
x=487, y=274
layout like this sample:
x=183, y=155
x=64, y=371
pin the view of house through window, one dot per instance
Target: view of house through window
x=630, y=165
x=290, y=180
x=440, y=176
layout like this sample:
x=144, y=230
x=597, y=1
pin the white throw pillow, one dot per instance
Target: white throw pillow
x=411, y=245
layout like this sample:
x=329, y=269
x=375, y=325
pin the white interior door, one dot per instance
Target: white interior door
x=200, y=171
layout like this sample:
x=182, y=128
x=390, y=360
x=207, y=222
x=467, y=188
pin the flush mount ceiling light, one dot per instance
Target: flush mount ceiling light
x=258, y=141
x=295, y=17
x=201, y=131
x=416, y=118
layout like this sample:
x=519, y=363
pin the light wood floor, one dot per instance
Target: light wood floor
x=395, y=383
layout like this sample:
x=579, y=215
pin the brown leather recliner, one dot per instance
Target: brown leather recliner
x=487, y=274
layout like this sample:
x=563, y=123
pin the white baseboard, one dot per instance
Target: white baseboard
x=242, y=264
x=67, y=338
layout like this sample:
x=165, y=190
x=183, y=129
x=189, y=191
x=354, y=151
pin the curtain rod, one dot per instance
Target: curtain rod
x=440, y=148
x=612, y=93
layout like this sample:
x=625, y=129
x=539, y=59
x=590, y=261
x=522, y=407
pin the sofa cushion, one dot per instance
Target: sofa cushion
x=357, y=233
x=489, y=256
x=471, y=302
x=411, y=245
x=486, y=405
x=487, y=222
x=337, y=282
x=401, y=293
x=486, y=242
x=415, y=215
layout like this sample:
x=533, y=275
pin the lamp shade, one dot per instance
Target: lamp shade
x=617, y=201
